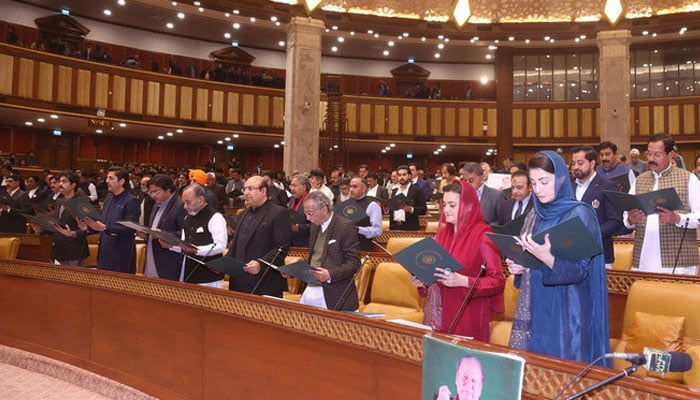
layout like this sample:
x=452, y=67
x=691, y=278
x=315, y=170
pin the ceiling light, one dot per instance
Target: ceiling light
x=497, y=41
x=489, y=56
x=443, y=146
x=236, y=25
x=29, y=123
x=441, y=46
x=174, y=3
x=441, y=37
x=227, y=35
x=201, y=9
x=461, y=12
x=273, y=18
x=169, y=25
x=683, y=30
x=170, y=134
x=546, y=38
x=391, y=43
x=583, y=37
x=121, y=2
x=40, y=120
x=219, y=142
x=551, y=40
x=405, y=34
x=98, y=130
x=161, y=137
x=277, y=23
x=53, y=116
x=376, y=35
x=653, y=34
x=383, y=151
x=107, y=12
x=282, y=143
x=392, y=144
x=436, y=152
x=527, y=41
x=400, y=37
x=228, y=139
x=437, y=55
x=252, y=19
x=411, y=60
x=281, y=43
x=334, y=27
x=327, y=30
x=122, y=125
x=447, y=40
x=236, y=12
x=334, y=49
x=178, y=130
x=197, y=4
x=613, y=11
x=511, y=38
x=484, y=80
x=181, y=15
x=492, y=47
x=341, y=39
x=369, y=31
x=227, y=15
x=387, y=148
x=385, y=52
x=423, y=39
x=352, y=33
x=577, y=40
x=235, y=136
x=277, y=146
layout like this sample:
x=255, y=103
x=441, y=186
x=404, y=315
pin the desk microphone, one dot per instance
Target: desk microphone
x=680, y=246
x=198, y=261
x=382, y=248
x=656, y=360
x=339, y=303
x=267, y=269
x=467, y=298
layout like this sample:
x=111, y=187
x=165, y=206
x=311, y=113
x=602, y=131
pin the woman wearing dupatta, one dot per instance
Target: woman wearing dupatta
x=562, y=309
x=462, y=232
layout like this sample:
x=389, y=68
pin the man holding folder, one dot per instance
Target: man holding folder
x=334, y=252
x=665, y=242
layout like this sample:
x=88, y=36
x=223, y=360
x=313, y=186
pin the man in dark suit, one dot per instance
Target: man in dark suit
x=264, y=232
x=11, y=219
x=419, y=181
x=405, y=217
x=589, y=187
x=334, y=249
x=521, y=199
x=146, y=202
x=489, y=198
x=168, y=216
x=374, y=189
x=219, y=191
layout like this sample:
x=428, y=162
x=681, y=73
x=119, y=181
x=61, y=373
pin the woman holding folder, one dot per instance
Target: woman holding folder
x=462, y=232
x=562, y=309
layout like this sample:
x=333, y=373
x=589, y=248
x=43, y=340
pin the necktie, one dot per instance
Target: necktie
x=519, y=210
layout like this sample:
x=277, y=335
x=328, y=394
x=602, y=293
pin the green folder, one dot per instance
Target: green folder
x=299, y=269
x=80, y=208
x=45, y=221
x=233, y=267
x=513, y=227
x=351, y=210
x=570, y=240
x=647, y=202
x=422, y=257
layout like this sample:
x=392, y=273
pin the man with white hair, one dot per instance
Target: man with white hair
x=635, y=164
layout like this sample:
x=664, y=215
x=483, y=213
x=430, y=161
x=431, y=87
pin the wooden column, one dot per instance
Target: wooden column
x=504, y=104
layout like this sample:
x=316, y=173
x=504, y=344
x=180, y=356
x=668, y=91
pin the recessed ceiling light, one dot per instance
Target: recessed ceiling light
x=121, y=2
x=352, y=33
x=443, y=146
x=282, y=143
x=405, y=34
x=583, y=37
x=227, y=35
x=174, y=3
x=376, y=35
x=40, y=119
x=252, y=19
x=392, y=144
x=341, y=39
x=277, y=23
x=400, y=37
x=273, y=18
x=577, y=40
x=197, y=4
x=98, y=130
x=492, y=47
x=391, y=43
x=227, y=15
x=484, y=80
x=327, y=30
x=178, y=130
x=383, y=151
x=236, y=25
x=219, y=142
x=441, y=37
x=441, y=46
x=169, y=25
x=53, y=116
x=546, y=38
x=683, y=30
x=334, y=49
x=645, y=33
x=447, y=40
x=527, y=41
x=385, y=52
x=281, y=43
x=170, y=134
x=437, y=55
x=511, y=38
x=107, y=12
x=334, y=27
x=387, y=148
x=235, y=136
x=489, y=56
x=228, y=139
x=236, y=12
x=369, y=31
x=161, y=137
x=29, y=123
x=122, y=125
x=277, y=146
x=423, y=39
x=653, y=34
x=181, y=15
x=551, y=40
x=201, y=9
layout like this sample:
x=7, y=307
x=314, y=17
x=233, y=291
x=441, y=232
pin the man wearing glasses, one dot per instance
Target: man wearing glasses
x=263, y=232
x=665, y=242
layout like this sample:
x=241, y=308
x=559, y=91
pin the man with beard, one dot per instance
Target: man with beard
x=609, y=167
x=520, y=201
x=589, y=187
x=370, y=226
x=405, y=217
x=300, y=230
x=11, y=219
x=665, y=242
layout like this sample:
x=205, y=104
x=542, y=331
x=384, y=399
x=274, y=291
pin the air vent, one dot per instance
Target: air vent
x=484, y=28
x=335, y=17
x=434, y=25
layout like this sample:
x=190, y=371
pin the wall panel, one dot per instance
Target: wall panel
x=407, y=127
x=278, y=112
x=217, y=106
x=153, y=98
x=421, y=121
x=202, y=105
x=517, y=123
x=233, y=116
x=674, y=120
x=45, y=89
x=531, y=123
x=186, y=102
x=136, y=96
x=170, y=101
x=545, y=125
x=379, y=119
x=572, y=126
x=394, y=118
x=365, y=118
x=659, y=118
x=248, y=109
x=587, y=122
x=83, y=88
x=449, y=122
x=262, y=116
x=26, y=78
x=689, y=118
x=119, y=93
x=351, y=116
x=6, y=73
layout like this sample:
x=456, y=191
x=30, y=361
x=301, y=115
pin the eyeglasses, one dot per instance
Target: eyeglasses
x=251, y=188
x=654, y=154
x=154, y=193
x=310, y=213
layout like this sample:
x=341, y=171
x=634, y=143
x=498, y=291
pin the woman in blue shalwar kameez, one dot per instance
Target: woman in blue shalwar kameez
x=562, y=309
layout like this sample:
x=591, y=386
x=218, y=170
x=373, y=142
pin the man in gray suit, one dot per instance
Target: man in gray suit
x=489, y=198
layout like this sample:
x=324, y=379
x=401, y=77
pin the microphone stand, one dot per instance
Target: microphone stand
x=267, y=269
x=198, y=261
x=339, y=303
x=680, y=246
x=467, y=298
x=625, y=372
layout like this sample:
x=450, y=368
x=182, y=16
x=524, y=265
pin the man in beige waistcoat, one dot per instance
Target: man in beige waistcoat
x=665, y=242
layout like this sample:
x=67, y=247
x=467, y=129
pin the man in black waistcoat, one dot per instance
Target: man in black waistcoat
x=370, y=226
x=263, y=232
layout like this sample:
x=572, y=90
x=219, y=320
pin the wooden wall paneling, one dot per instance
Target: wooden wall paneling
x=136, y=96
x=186, y=102
x=558, y=119
x=6, y=138
x=407, y=121
x=168, y=153
x=518, y=123
x=170, y=100
x=202, y=104
x=155, y=153
x=492, y=118
x=462, y=123
x=25, y=78
x=278, y=111
x=572, y=123
x=435, y=124
x=45, y=82
x=351, y=115
x=248, y=111
x=421, y=121
x=545, y=123
x=87, y=147
x=7, y=73
x=449, y=124
x=262, y=110
x=143, y=152
x=379, y=117
x=598, y=124
x=21, y=140
x=233, y=109
x=83, y=88
x=531, y=123
x=322, y=111
x=119, y=96
x=587, y=122
x=365, y=115
x=689, y=118
x=217, y=106
x=152, y=98
x=118, y=149
x=659, y=118
x=674, y=119
x=394, y=119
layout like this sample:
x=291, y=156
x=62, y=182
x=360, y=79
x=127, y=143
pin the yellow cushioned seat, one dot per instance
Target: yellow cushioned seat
x=396, y=244
x=9, y=247
x=502, y=324
x=393, y=294
x=623, y=255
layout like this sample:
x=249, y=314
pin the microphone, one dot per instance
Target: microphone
x=656, y=360
x=680, y=246
x=339, y=303
x=382, y=248
x=467, y=298
x=267, y=269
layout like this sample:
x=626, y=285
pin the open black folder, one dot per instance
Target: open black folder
x=300, y=269
x=351, y=210
x=513, y=227
x=45, y=221
x=570, y=240
x=422, y=257
x=167, y=237
x=79, y=207
x=233, y=267
x=647, y=202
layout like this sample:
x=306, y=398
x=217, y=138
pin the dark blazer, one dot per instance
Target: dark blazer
x=67, y=248
x=168, y=263
x=341, y=257
x=300, y=238
x=411, y=223
x=117, y=251
x=220, y=194
x=490, y=200
x=425, y=187
x=147, y=202
x=382, y=193
x=260, y=234
x=609, y=218
x=12, y=220
x=505, y=210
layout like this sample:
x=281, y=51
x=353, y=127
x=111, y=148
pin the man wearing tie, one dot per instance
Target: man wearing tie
x=589, y=187
x=521, y=200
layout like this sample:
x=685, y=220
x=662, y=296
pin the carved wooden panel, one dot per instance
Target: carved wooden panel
x=263, y=110
x=153, y=96
x=6, y=73
x=83, y=88
x=45, y=89
x=407, y=120
x=394, y=117
x=379, y=119
x=217, y=106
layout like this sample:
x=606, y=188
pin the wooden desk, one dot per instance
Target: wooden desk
x=181, y=341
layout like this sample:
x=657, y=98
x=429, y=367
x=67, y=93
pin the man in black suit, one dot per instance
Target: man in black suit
x=11, y=219
x=489, y=198
x=168, y=216
x=405, y=217
x=264, y=232
x=589, y=187
x=219, y=191
x=520, y=201
x=334, y=249
x=374, y=189
x=146, y=202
